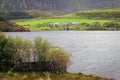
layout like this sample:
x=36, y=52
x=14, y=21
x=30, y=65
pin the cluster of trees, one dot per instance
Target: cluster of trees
x=97, y=26
x=10, y=15
x=16, y=50
x=15, y=15
x=99, y=14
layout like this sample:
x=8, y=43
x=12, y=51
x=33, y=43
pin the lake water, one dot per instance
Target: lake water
x=92, y=52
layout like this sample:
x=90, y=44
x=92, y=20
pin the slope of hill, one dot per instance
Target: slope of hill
x=95, y=14
x=6, y=26
x=37, y=13
x=57, y=6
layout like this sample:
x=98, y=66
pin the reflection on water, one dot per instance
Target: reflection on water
x=93, y=52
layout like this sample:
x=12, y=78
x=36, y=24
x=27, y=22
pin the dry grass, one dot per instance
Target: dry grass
x=46, y=76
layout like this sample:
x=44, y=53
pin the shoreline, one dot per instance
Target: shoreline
x=48, y=76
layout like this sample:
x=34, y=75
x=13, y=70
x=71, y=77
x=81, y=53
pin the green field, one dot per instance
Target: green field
x=32, y=23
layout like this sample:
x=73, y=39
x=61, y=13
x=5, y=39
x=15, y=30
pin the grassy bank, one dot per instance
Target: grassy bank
x=33, y=24
x=96, y=14
x=47, y=76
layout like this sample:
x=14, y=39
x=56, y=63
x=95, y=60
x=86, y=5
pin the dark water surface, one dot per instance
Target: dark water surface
x=92, y=52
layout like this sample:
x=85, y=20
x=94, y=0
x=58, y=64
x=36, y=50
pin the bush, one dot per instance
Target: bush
x=59, y=57
x=96, y=26
x=22, y=50
x=8, y=53
x=12, y=51
x=81, y=26
x=3, y=41
x=41, y=46
x=15, y=51
x=111, y=25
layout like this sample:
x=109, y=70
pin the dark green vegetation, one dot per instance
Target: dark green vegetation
x=96, y=26
x=47, y=76
x=57, y=6
x=15, y=15
x=15, y=52
x=10, y=15
x=6, y=26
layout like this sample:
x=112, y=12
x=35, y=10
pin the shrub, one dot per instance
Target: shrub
x=41, y=46
x=59, y=57
x=81, y=26
x=8, y=53
x=111, y=25
x=12, y=50
x=22, y=50
x=50, y=57
x=3, y=41
x=15, y=51
x=96, y=26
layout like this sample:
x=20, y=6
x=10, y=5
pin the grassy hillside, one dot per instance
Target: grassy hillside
x=88, y=20
x=37, y=13
x=6, y=26
x=96, y=14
